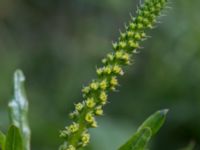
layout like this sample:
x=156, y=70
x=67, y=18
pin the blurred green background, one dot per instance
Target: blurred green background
x=58, y=43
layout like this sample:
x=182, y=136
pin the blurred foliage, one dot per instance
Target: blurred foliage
x=190, y=146
x=58, y=43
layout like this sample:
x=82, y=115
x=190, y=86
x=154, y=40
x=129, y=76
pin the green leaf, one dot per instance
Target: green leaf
x=148, y=128
x=191, y=146
x=139, y=140
x=155, y=121
x=14, y=139
x=19, y=109
x=2, y=140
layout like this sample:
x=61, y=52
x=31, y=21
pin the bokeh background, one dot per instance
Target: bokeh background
x=58, y=44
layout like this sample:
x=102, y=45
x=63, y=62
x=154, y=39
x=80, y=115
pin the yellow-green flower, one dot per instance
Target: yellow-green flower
x=85, y=139
x=117, y=69
x=110, y=57
x=86, y=90
x=99, y=111
x=133, y=44
x=74, y=114
x=94, y=124
x=107, y=70
x=89, y=117
x=90, y=102
x=94, y=85
x=119, y=54
x=79, y=106
x=70, y=147
x=103, y=97
x=122, y=44
x=73, y=127
x=103, y=84
x=99, y=71
x=113, y=81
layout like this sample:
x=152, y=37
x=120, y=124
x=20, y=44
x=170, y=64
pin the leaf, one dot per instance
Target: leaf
x=191, y=146
x=2, y=140
x=139, y=140
x=19, y=108
x=14, y=139
x=155, y=121
x=148, y=128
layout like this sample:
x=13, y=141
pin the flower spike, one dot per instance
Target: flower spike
x=95, y=94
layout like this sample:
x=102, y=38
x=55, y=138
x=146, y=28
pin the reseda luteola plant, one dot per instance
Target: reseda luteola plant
x=95, y=95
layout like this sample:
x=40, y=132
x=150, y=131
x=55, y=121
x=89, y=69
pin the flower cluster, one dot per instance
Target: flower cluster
x=95, y=94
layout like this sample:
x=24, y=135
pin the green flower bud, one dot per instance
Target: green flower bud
x=132, y=26
x=140, y=26
x=107, y=70
x=110, y=57
x=133, y=44
x=130, y=34
x=122, y=44
x=123, y=35
x=119, y=54
x=115, y=45
x=137, y=36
